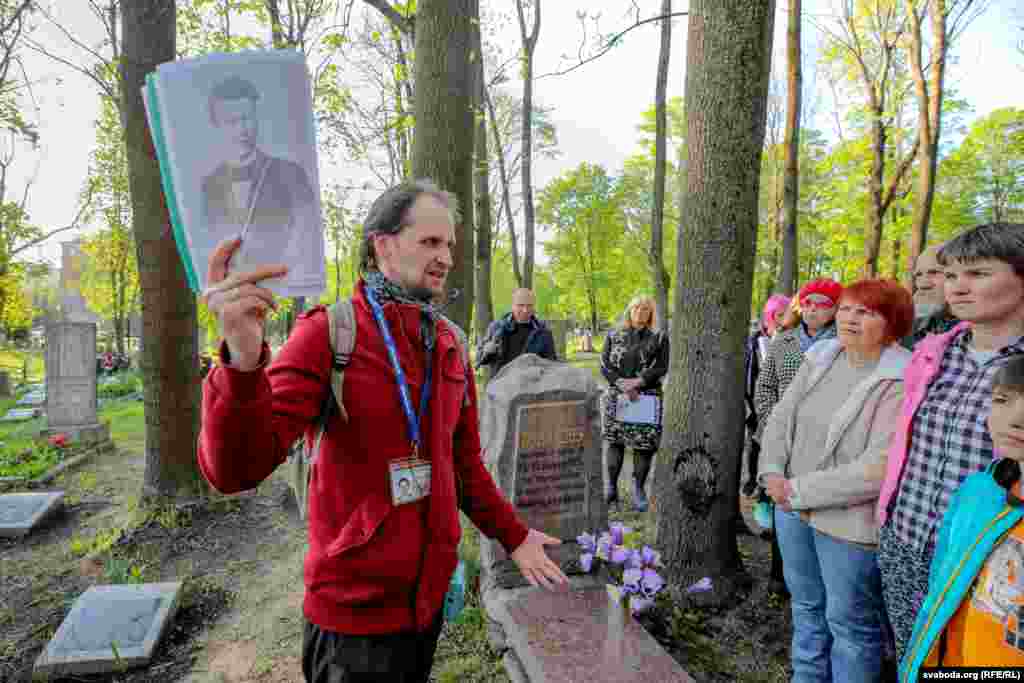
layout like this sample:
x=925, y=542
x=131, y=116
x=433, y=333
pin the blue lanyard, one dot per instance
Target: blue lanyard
x=403, y=387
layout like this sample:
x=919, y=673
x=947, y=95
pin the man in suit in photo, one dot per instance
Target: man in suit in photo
x=269, y=200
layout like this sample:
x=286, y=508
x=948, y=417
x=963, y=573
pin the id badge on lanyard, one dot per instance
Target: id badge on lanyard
x=410, y=476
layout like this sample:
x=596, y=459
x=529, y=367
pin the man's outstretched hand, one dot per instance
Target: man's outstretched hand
x=535, y=564
x=239, y=303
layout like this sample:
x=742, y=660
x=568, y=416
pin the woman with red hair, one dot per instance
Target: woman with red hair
x=823, y=463
x=810, y=318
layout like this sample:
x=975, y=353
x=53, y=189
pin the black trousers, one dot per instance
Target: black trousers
x=641, y=466
x=406, y=657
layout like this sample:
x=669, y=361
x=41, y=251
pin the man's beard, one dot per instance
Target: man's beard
x=927, y=310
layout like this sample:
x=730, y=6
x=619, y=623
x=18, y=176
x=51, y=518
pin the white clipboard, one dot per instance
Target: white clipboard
x=644, y=410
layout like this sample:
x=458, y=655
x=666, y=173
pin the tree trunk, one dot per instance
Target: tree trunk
x=529, y=44
x=791, y=179
x=729, y=49
x=484, y=313
x=929, y=118
x=657, y=248
x=505, y=192
x=168, y=360
x=443, y=99
x=875, y=212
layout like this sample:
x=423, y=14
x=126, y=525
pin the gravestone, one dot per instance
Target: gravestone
x=110, y=628
x=71, y=402
x=542, y=445
x=22, y=512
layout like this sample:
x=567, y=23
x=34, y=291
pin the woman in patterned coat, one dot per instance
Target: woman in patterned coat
x=811, y=318
x=634, y=361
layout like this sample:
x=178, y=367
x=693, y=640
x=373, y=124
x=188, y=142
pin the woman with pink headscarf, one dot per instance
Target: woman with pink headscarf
x=757, y=350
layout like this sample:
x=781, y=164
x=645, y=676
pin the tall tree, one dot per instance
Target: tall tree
x=443, y=141
x=867, y=42
x=484, y=313
x=948, y=19
x=791, y=179
x=656, y=254
x=169, y=363
x=529, y=38
x=729, y=49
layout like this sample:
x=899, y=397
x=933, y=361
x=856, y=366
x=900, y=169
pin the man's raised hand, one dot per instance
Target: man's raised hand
x=239, y=303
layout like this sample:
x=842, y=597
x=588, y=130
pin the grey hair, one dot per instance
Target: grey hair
x=1000, y=241
x=389, y=214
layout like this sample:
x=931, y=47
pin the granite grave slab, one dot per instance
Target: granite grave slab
x=110, y=628
x=579, y=635
x=22, y=512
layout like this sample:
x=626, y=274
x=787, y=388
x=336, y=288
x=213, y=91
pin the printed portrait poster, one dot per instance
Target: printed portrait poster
x=236, y=140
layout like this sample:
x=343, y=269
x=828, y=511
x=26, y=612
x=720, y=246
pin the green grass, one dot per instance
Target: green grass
x=127, y=424
x=13, y=362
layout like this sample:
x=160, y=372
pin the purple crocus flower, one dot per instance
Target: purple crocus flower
x=619, y=532
x=604, y=546
x=701, y=586
x=651, y=557
x=588, y=542
x=619, y=555
x=651, y=583
x=635, y=561
x=586, y=562
x=631, y=580
x=639, y=604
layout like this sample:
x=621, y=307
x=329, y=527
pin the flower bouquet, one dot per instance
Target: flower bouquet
x=631, y=565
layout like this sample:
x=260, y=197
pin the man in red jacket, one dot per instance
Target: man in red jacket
x=388, y=482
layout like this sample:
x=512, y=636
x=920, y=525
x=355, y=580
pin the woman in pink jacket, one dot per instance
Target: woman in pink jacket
x=941, y=437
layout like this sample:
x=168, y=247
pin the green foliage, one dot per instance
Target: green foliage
x=23, y=458
x=595, y=264
x=983, y=179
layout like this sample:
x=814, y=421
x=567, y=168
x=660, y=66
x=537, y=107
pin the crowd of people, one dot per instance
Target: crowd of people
x=884, y=431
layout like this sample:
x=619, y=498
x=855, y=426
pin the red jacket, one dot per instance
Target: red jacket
x=372, y=567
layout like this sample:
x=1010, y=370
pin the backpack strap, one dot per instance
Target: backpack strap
x=341, y=326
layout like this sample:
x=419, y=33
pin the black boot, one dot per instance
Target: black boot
x=615, y=453
x=641, y=468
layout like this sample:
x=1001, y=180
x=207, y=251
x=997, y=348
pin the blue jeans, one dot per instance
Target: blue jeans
x=837, y=604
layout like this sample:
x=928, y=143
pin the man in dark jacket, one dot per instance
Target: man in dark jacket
x=380, y=557
x=514, y=334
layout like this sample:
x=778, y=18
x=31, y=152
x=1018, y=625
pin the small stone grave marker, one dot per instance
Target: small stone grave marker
x=21, y=512
x=33, y=398
x=110, y=628
x=543, y=447
x=19, y=414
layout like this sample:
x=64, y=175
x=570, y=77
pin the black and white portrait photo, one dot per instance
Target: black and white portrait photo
x=243, y=140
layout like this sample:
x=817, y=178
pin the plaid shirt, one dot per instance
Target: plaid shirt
x=949, y=441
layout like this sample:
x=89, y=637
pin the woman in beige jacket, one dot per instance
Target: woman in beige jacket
x=823, y=462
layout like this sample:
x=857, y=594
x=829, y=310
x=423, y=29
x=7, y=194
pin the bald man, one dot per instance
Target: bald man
x=514, y=334
x=931, y=314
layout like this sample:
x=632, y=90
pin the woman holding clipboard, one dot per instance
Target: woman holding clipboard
x=634, y=361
